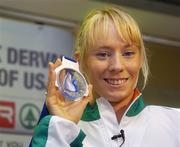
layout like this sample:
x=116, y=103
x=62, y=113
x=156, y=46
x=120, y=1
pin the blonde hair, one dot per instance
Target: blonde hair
x=97, y=23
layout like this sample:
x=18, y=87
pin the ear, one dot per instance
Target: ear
x=77, y=56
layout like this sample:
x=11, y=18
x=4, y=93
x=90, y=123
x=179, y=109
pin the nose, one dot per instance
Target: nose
x=116, y=63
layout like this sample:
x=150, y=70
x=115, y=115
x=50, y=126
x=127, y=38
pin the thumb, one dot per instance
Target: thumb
x=90, y=96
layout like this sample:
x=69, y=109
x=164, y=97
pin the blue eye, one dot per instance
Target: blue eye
x=128, y=53
x=103, y=55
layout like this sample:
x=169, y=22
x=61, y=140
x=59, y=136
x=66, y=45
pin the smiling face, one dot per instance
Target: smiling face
x=110, y=51
x=113, y=66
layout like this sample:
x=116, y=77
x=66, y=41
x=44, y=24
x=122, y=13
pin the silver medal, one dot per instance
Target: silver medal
x=70, y=81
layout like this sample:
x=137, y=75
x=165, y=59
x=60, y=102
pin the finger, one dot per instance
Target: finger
x=51, y=67
x=57, y=63
x=55, y=98
x=51, y=76
x=90, y=96
x=60, y=97
x=53, y=89
x=51, y=83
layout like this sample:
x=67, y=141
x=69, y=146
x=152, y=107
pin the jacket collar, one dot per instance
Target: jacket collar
x=91, y=113
x=136, y=106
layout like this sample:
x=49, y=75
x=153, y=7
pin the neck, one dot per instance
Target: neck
x=121, y=106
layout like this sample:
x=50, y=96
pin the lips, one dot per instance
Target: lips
x=116, y=82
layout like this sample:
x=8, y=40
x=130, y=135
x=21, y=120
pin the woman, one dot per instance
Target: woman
x=111, y=54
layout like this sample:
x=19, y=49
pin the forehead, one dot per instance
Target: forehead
x=107, y=33
x=98, y=29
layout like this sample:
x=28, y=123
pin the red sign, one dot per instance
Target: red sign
x=7, y=114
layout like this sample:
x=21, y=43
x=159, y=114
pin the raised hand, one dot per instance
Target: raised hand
x=56, y=103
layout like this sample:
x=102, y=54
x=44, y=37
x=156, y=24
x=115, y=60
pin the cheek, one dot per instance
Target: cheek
x=95, y=69
x=90, y=69
x=134, y=68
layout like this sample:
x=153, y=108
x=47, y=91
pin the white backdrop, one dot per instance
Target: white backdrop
x=25, y=50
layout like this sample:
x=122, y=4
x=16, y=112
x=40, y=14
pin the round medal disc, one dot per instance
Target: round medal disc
x=72, y=84
x=70, y=81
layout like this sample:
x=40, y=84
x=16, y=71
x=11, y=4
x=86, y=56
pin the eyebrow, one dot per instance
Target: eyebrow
x=127, y=45
x=103, y=47
x=108, y=47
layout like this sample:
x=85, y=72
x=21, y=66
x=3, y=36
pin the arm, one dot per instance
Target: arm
x=55, y=132
x=52, y=128
x=60, y=126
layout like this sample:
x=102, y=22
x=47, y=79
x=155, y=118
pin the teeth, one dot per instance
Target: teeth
x=115, y=82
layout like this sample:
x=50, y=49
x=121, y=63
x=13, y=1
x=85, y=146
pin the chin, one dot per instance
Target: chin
x=115, y=97
x=114, y=100
x=116, y=94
